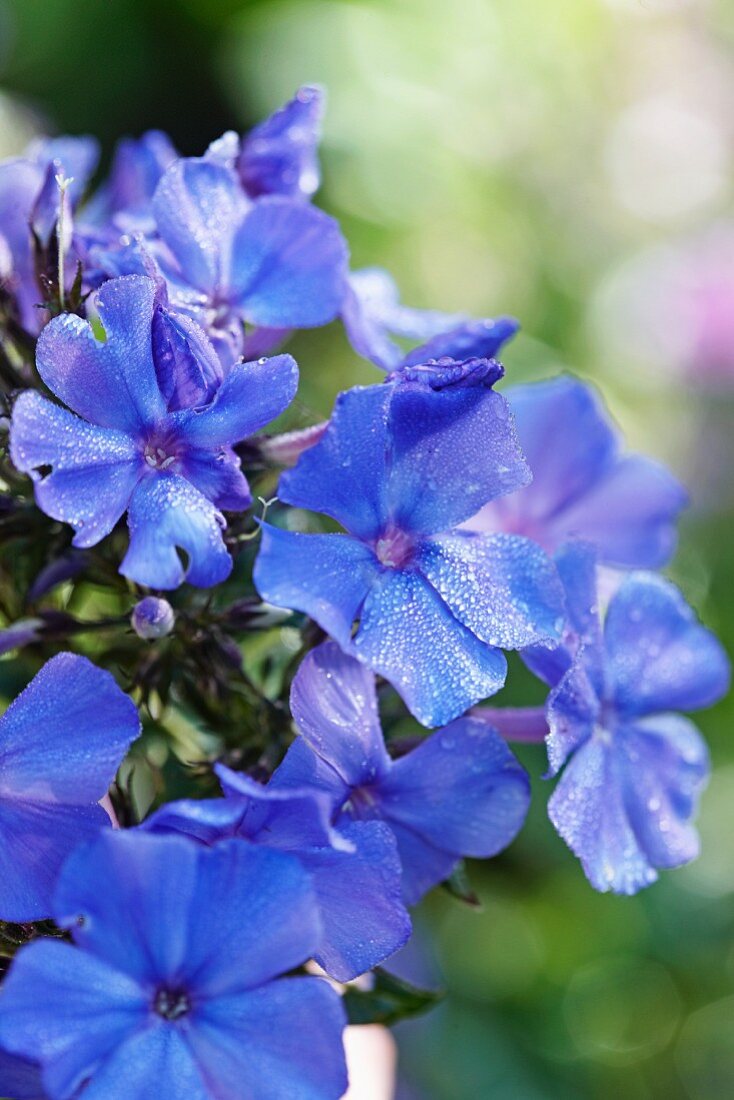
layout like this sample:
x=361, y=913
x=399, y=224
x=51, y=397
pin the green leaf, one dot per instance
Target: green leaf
x=389, y=1000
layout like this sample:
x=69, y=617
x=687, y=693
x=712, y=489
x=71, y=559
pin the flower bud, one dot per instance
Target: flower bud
x=152, y=618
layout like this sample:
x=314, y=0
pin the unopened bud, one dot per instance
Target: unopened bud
x=152, y=618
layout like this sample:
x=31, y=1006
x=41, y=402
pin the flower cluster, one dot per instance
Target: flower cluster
x=200, y=853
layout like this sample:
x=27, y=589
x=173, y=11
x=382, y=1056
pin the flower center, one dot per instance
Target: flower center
x=361, y=803
x=160, y=452
x=172, y=1004
x=395, y=548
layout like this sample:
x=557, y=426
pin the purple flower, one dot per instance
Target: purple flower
x=20, y=1079
x=28, y=193
x=373, y=314
x=584, y=484
x=400, y=466
x=461, y=792
x=150, y=432
x=634, y=767
x=61, y=742
x=175, y=986
x=355, y=871
x=137, y=168
x=276, y=263
x=279, y=156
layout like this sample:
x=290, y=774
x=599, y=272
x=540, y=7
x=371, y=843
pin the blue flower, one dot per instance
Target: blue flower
x=61, y=742
x=585, y=485
x=461, y=792
x=150, y=432
x=355, y=871
x=174, y=987
x=136, y=171
x=634, y=767
x=276, y=263
x=20, y=1079
x=400, y=466
x=28, y=193
x=279, y=156
x=373, y=314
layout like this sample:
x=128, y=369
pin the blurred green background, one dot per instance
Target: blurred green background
x=570, y=164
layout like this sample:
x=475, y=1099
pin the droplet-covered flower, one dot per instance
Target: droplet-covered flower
x=400, y=466
x=150, y=432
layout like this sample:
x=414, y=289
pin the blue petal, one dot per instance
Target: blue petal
x=424, y=865
x=207, y=820
x=472, y=339
x=326, y=576
x=113, y=382
x=452, y=451
x=20, y=182
x=630, y=514
x=284, y=819
x=162, y=879
x=168, y=514
x=197, y=206
x=569, y=415
x=69, y=1011
x=188, y=369
x=583, y=486
x=279, y=155
x=76, y=156
x=344, y=474
x=572, y=710
x=93, y=470
x=659, y=656
x=289, y=264
x=412, y=458
x=334, y=705
x=360, y=900
x=280, y=1041
x=51, y=209
x=36, y=838
x=588, y=810
x=250, y=397
x=372, y=313
x=409, y=636
x=462, y=791
x=218, y=476
x=665, y=767
x=137, y=168
x=20, y=1079
x=502, y=587
x=576, y=563
x=156, y=1060
x=301, y=767
x=65, y=736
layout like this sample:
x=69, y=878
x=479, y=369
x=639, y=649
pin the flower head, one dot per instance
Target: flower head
x=399, y=467
x=61, y=742
x=174, y=986
x=355, y=871
x=150, y=432
x=274, y=262
x=633, y=767
x=460, y=793
x=584, y=484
